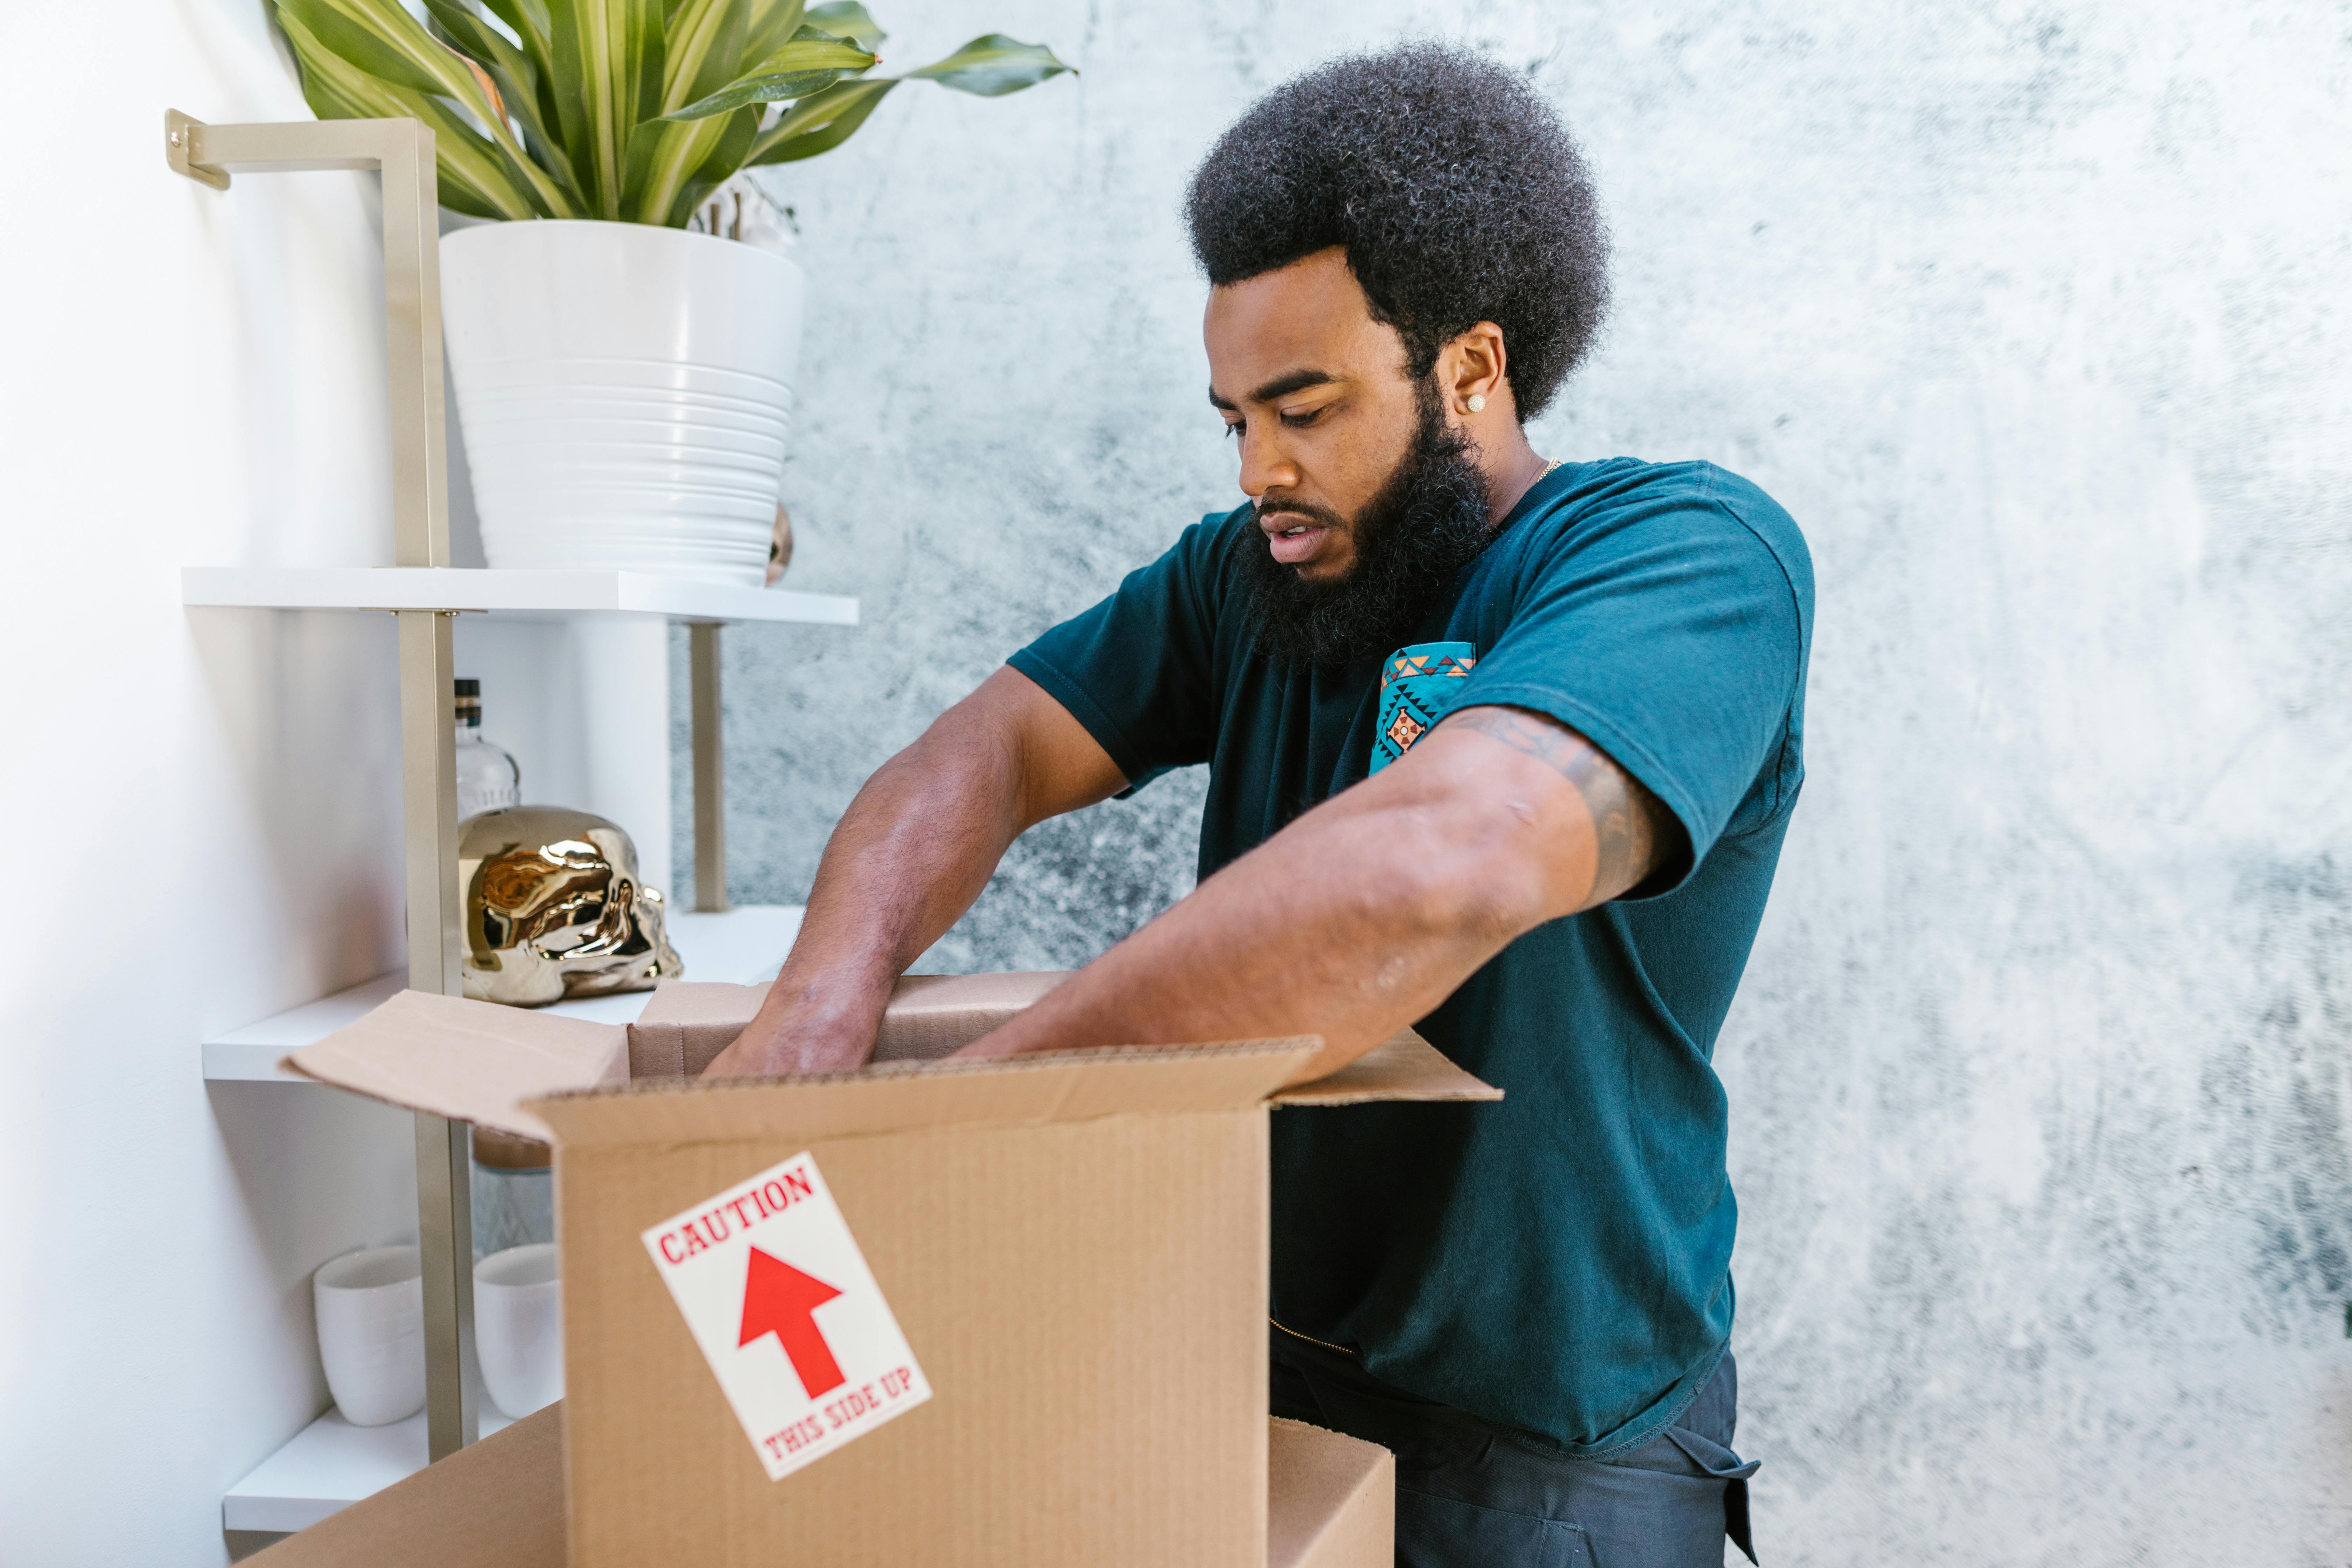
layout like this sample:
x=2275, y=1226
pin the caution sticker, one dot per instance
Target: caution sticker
x=778, y=1296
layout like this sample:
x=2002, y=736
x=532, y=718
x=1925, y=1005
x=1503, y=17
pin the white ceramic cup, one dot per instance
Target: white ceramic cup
x=372, y=1333
x=518, y=1328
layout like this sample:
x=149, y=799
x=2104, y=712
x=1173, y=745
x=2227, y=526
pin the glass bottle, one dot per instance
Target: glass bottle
x=514, y=1193
x=487, y=775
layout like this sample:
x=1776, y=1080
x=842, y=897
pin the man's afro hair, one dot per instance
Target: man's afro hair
x=1457, y=193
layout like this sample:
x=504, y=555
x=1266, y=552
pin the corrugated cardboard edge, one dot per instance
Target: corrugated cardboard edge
x=1402, y=1067
x=689, y=1022
x=898, y=1097
x=498, y=1504
x=931, y=1015
x=503, y=1068
x=1331, y=1499
x=1330, y=1503
x=469, y=1061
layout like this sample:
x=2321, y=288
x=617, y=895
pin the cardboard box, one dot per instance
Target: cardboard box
x=1331, y=1503
x=1072, y=1246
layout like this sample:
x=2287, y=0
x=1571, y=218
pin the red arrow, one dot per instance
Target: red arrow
x=778, y=1299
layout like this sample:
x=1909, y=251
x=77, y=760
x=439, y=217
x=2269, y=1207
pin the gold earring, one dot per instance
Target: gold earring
x=1478, y=403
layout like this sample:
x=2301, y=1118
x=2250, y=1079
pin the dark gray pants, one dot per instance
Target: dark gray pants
x=1468, y=1495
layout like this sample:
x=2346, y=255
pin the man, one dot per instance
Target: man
x=1500, y=748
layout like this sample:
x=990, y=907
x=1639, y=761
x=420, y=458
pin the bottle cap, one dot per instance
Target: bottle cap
x=507, y=1152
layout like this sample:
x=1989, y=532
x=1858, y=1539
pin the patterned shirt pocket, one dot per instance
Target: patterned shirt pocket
x=1419, y=686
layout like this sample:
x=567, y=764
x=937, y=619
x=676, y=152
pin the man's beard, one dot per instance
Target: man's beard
x=1429, y=519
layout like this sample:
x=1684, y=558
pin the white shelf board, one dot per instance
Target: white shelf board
x=529, y=595
x=743, y=945
x=329, y=1466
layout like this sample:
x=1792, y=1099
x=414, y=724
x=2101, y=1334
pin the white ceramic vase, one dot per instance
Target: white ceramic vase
x=623, y=392
x=370, y=1308
x=518, y=1328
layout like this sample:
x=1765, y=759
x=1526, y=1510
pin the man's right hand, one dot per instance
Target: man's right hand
x=912, y=852
x=799, y=1030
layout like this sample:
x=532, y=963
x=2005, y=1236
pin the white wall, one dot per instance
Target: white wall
x=583, y=704
x=2039, y=319
x=201, y=808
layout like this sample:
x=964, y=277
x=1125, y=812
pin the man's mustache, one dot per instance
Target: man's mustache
x=1270, y=503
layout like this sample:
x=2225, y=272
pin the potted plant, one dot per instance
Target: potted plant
x=622, y=383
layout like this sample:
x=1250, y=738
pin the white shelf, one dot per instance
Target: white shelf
x=528, y=595
x=330, y=1466
x=745, y=945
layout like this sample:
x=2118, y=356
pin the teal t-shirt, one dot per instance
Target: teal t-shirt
x=1559, y=1262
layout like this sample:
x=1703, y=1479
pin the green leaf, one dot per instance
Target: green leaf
x=820, y=124
x=518, y=82
x=458, y=28
x=848, y=20
x=664, y=156
x=810, y=63
x=742, y=129
x=460, y=200
x=704, y=49
x=608, y=76
x=529, y=20
x=618, y=108
x=992, y=66
x=382, y=40
x=771, y=26
x=472, y=178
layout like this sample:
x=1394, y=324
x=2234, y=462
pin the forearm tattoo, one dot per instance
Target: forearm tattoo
x=1632, y=827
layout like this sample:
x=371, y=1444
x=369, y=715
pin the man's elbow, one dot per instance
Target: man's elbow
x=1474, y=873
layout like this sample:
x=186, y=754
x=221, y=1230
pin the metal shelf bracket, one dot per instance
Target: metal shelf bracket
x=403, y=151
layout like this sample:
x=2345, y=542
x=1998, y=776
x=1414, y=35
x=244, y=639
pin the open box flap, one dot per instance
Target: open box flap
x=499, y=1504
x=1402, y=1067
x=902, y=1096
x=504, y=1067
x=688, y=1022
x=931, y=1015
x=469, y=1061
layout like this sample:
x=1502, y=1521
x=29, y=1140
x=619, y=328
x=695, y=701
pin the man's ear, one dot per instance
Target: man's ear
x=1472, y=374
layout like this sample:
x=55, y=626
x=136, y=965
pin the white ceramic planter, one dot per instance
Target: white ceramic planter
x=623, y=392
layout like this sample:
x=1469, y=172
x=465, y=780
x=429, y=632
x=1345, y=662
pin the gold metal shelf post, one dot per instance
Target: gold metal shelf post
x=403, y=151
x=710, y=769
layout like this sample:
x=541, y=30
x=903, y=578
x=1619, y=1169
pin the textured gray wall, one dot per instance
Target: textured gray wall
x=2035, y=317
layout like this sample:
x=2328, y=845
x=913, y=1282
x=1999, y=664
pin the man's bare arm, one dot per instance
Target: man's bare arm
x=1368, y=911
x=912, y=852
x=1631, y=826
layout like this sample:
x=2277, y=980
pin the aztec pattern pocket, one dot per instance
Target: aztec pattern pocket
x=1419, y=686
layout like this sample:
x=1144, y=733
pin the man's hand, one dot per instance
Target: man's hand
x=810, y=1023
x=914, y=849
x=1368, y=911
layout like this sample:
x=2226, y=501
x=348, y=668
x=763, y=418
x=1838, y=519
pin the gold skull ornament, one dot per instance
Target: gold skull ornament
x=554, y=909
